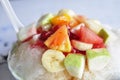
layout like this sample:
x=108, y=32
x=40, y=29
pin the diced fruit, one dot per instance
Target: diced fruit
x=73, y=21
x=97, y=58
x=82, y=46
x=104, y=35
x=59, y=40
x=45, y=21
x=88, y=36
x=27, y=32
x=102, y=45
x=66, y=11
x=76, y=29
x=94, y=25
x=80, y=18
x=61, y=20
x=53, y=60
x=75, y=63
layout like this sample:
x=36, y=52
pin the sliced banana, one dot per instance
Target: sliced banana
x=52, y=60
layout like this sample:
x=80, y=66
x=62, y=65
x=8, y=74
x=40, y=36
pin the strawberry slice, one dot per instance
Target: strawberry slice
x=88, y=36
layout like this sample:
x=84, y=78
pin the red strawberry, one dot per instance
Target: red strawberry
x=88, y=36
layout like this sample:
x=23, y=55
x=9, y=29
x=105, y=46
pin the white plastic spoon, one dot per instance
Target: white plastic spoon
x=11, y=14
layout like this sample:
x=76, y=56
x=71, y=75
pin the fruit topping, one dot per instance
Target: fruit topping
x=26, y=32
x=82, y=46
x=73, y=21
x=61, y=20
x=94, y=25
x=45, y=22
x=67, y=12
x=76, y=29
x=97, y=58
x=75, y=64
x=53, y=60
x=104, y=35
x=59, y=40
x=88, y=36
x=67, y=39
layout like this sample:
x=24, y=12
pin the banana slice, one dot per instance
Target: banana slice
x=52, y=60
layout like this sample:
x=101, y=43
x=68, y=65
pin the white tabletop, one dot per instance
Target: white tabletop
x=107, y=11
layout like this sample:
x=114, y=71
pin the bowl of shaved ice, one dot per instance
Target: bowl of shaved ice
x=66, y=46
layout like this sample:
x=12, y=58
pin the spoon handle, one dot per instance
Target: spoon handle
x=11, y=14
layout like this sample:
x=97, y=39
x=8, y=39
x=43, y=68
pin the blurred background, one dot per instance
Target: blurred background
x=106, y=11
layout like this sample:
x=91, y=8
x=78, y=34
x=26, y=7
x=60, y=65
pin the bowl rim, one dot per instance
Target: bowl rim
x=9, y=67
